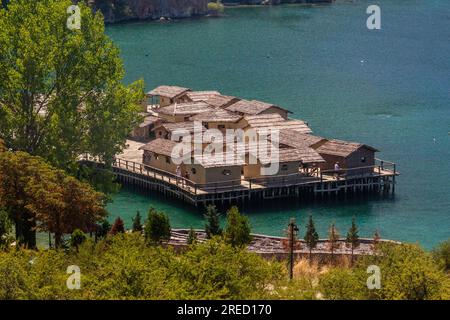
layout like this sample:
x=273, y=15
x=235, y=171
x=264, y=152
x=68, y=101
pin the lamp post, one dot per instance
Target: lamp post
x=293, y=229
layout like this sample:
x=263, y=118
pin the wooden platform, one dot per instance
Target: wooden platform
x=129, y=169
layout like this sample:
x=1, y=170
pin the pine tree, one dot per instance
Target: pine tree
x=311, y=236
x=137, y=225
x=157, y=227
x=118, y=227
x=353, y=237
x=376, y=239
x=102, y=229
x=192, y=237
x=77, y=238
x=212, y=216
x=237, y=232
x=333, y=238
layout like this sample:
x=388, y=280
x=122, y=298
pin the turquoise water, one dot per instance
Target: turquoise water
x=387, y=88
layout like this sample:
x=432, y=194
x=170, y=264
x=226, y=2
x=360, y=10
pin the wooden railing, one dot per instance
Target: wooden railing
x=380, y=168
x=303, y=177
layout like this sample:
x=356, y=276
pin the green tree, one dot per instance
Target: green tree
x=237, y=232
x=16, y=171
x=333, y=239
x=192, y=237
x=5, y=227
x=137, y=225
x=40, y=197
x=442, y=254
x=102, y=229
x=311, y=236
x=342, y=284
x=376, y=240
x=61, y=90
x=352, y=237
x=117, y=227
x=61, y=204
x=77, y=238
x=157, y=227
x=407, y=273
x=212, y=217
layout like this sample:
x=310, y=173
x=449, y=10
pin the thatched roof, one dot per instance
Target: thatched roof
x=168, y=91
x=275, y=121
x=188, y=108
x=252, y=107
x=162, y=146
x=341, y=148
x=218, y=115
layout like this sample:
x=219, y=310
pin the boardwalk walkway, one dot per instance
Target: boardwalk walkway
x=129, y=169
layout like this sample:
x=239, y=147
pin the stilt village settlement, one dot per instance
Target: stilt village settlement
x=309, y=165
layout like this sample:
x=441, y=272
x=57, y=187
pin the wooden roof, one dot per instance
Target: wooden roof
x=168, y=91
x=188, y=108
x=180, y=126
x=221, y=101
x=296, y=139
x=161, y=146
x=275, y=121
x=213, y=98
x=341, y=148
x=218, y=115
x=149, y=120
x=252, y=107
x=201, y=95
x=219, y=160
x=304, y=155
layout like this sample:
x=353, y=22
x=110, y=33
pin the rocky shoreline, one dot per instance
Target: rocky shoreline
x=116, y=11
x=275, y=247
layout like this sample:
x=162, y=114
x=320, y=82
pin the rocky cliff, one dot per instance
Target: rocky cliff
x=272, y=2
x=122, y=10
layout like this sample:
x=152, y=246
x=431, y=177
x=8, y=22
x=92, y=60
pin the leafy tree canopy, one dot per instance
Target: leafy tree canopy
x=61, y=94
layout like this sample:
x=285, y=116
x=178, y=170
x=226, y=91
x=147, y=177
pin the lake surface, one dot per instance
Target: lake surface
x=387, y=88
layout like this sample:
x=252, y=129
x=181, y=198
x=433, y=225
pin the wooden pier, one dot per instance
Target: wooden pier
x=379, y=178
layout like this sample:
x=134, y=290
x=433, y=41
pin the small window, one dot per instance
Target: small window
x=159, y=133
x=186, y=118
x=226, y=172
x=194, y=171
x=167, y=159
x=221, y=126
x=363, y=159
x=284, y=167
x=156, y=157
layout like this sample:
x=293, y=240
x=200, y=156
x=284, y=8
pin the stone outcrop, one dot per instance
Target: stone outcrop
x=272, y=2
x=123, y=10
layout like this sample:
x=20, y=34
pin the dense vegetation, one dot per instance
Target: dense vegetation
x=125, y=266
x=61, y=97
